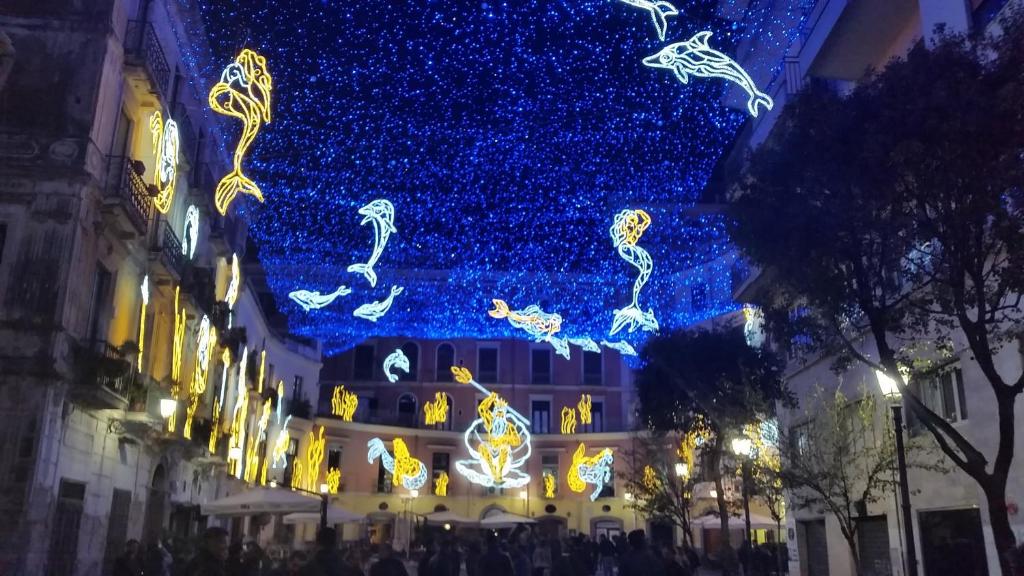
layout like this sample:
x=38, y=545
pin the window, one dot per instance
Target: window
x=445, y=361
x=944, y=395
x=407, y=413
x=592, y=372
x=439, y=464
x=540, y=366
x=487, y=364
x=596, y=417
x=384, y=483
x=609, y=487
x=362, y=364
x=699, y=297
x=117, y=527
x=99, y=314
x=412, y=352
x=289, y=466
x=549, y=467
x=67, y=518
x=297, y=388
x=334, y=457
x=122, y=135
x=540, y=416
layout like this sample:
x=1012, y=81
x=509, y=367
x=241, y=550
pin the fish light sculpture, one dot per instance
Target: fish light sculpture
x=380, y=213
x=314, y=300
x=659, y=10
x=595, y=470
x=243, y=93
x=405, y=470
x=397, y=360
x=541, y=325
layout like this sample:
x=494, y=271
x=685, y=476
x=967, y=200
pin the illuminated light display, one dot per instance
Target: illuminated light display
x=252, y=458
x=436, y=411
x=142, y=318
x=315, y=300
x=441, y=484
x=205, y=342
x=584, y=406
x=190, y=232
x=405, y=470
x=550, y=485
x=214, y=426
x=462, y=159
x=333, y=480
x=381, y=213
x=568, y=420
x=165, y=150
x=231, y=294
x=376, y=309
x=498, y=441
x=298, y=480
x=660, y=11
x=280, y=401
x=315, y=447
x=621, y=346
x=626, y=230
x=244, y=93
x=595, y=470
x=237, y=436
x=541, y=325
x=696, y=58
x=178, y=342
x=753, y=325
x=263, y=369
x=396, y=359
x=587, y=344
x=650, y=480
x=218, y=401
x=279, y=451
x=344, y=403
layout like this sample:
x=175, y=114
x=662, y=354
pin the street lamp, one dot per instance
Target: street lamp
x=741, y=447
x=682, y=470
x=168, y=407
x=892, y=393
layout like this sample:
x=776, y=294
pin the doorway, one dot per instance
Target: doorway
x=952, y=542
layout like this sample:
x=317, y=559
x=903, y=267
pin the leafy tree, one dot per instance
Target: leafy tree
x=708, y=385
x=658, y=492
x=894, y=213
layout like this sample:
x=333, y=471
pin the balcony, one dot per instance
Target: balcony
x=166, y=250
x=127, y=197
x=142, y=48
x=104, y=376
x=187, y=135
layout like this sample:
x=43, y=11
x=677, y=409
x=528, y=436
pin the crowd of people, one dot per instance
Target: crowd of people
x=520, y=553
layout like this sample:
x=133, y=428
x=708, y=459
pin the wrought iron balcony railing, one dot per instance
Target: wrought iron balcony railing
x=167, y=245
x=125, y=184
x=142, y=45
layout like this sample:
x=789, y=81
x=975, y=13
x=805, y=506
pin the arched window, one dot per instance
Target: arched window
x=407, y=410
x=445, y=361
x=412, y=352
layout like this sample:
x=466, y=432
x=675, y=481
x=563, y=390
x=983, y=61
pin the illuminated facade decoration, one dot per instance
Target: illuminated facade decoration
x=498, y=441
x=263, y=370
x=344, y=403
x=621, y=346
x=252, y=457
x=550, y=485
x=651, y=481
x=333, y=480
x=587, y=344
x=190, y=232
x=315, y=448
x=279, y=452
x=237, y=436
x=753, y=325
x=584, y=406
x=626, y=230
x=280, y=401
x=178, y=342
x=231, y=294
x=540, y=325
x=595, y=470
x=381, y=213
x=659, y=10
x=568, y=420
x=396, y=359
x=298, y=479
x=244, y=93
x=696, y=58
x=441, y=484
x=436, y=411
x=142, y=318
x=165, y=150
x=315, y=300
x=405, y=470
x=376, y=309
x=206, y=341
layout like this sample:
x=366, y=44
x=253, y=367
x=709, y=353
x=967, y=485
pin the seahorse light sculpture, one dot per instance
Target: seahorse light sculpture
x=333, y=480
x=626, y=230
x=405, y=470
x=595, y=470
x=441, y=484
x=696, y=58
x=190, y=232
x=381, y=213
x=541, y=325
x=398, y=360
x=585, y=405
x=550, y=485
x=165, y=150
x=244, y=93
x=568, y=420
x=621, y=346
x=498, y=441
x=142, y=318
x=344, y=403
x=206, y=342
x=314, y=300
x=660, y=11
x=436, y=412
x=374, y=310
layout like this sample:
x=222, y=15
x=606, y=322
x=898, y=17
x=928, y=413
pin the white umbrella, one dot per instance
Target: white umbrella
x=505, y=520
x=335, y=515
x=262, y=501
x=446, y=517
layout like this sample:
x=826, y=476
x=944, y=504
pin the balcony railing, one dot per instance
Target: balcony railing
x=142, y=45
x=104, y=370
x=168, y=247
x=126, y=185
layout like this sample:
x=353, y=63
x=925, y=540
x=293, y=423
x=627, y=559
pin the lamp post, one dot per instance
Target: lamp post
x=683, y=473
x=741, y=448
x=892, y=393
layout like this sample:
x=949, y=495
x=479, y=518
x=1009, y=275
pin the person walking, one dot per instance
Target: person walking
x=388, y=564
x=606, y=556
x=212, y=555
x=640, y=561
x=128, y=563
x=494, y=562
x=542, y=559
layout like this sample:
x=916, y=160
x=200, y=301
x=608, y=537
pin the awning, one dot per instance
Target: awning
x=446, y=517
x=262, y=501
x=505, y=520
x=335, y=515
x=735, y=522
